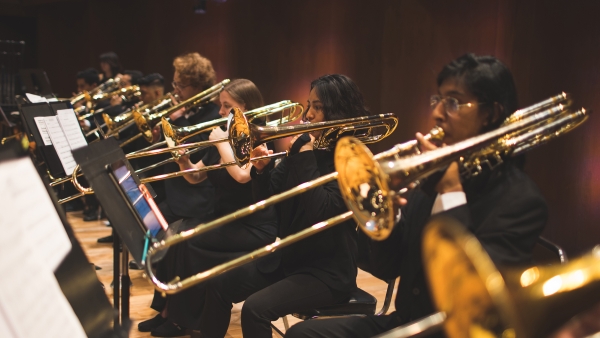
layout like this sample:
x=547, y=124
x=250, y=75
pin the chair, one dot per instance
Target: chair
x=360, y=303
x=548, y=253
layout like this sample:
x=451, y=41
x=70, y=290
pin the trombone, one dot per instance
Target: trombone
x=127, y=94
x=176, y=136
x=146, y=123
x=244, y=136
x=108, y=86
x=476, y=299
x=370, y=183
x=367, y=191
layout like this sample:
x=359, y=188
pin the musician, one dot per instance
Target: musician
x=110, y=65
x=502, y=207
x=233, y=191
x=193, y=74
x=87, y=80
x=317, y=272
x=152, y=86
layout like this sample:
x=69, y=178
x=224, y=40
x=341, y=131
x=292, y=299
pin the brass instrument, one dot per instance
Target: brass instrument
x=108, y=86
x=73, y=179
x=175, y=136
x=244, y=136
x=127, y=94
x=370, y=183
x=124, y=120
x=478, y=300
x=147, y=123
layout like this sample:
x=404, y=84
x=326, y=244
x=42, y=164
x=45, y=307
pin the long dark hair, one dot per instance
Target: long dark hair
x=340, y=97
x=113, y=61
x=488, y=79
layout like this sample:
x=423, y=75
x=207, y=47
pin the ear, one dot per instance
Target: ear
x=495, y=114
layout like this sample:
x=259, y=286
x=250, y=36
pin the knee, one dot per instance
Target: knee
x=298, y=331
x=255, y=307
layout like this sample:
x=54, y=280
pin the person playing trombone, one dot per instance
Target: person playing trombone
x=317, y=272
x=502, y=207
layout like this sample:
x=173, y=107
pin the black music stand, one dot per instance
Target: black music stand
x=94, y=160
x=78, y=280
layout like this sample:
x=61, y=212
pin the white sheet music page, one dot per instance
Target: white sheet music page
x=70, y=125
x=61, y=145
x=41, y=125
x=31, y=300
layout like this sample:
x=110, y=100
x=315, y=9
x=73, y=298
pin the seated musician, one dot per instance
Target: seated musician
x=193, y=74
x=117, y=104
x=317, y=272
x=233, y=191
x=110, y=65
x=152, y=86
x=502, y=207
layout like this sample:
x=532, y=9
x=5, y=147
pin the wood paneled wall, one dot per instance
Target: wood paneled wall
x=393, y=49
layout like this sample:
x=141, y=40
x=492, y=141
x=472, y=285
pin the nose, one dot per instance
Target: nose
x=439, y=113
x=310, y=114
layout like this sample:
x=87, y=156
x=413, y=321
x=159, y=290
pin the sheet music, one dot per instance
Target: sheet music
x=61, y=145
x=31, y=301
x=70, y=125
x=41, y=125
x=35, y=98
x=45, y=232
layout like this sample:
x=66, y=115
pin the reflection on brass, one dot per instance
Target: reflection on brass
x=371, y=199
x=481, y=301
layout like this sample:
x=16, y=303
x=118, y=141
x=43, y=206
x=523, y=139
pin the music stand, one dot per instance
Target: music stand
x=94, y=161
x=35, y=81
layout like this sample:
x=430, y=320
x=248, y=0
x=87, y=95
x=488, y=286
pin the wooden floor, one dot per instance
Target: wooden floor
x=141, y=292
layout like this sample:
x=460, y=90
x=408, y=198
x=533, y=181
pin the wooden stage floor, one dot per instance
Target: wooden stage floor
x=141, y=292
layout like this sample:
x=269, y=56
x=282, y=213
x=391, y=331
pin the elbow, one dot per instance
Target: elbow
x=242, y=177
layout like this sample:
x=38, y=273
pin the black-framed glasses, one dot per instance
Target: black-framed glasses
x=178, y=85
x=451, y=104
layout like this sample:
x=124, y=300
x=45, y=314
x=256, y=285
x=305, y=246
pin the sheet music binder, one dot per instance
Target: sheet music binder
x=94, y=160
x=77, y=279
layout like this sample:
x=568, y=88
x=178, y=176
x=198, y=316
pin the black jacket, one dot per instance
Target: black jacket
x=504, y=210
x=330, y=255
x=185, y=199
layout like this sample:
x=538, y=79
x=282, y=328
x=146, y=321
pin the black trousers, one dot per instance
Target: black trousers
x=346, y=327
x=268, y=296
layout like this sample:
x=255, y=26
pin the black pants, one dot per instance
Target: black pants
x=346, y=327
x=201, y=253
x=268, y=296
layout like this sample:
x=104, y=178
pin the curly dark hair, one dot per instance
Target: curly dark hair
x=488, y=79
x=340, y=97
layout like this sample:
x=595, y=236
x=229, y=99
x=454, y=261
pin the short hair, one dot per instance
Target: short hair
x=245, y=91
x=136, y=75
x=340, y=97
x=89, y=76
x=488, y=79
x=196, y=70
x=113, y=61
x=154, y=79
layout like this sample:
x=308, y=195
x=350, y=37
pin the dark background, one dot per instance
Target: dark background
x=392, y=49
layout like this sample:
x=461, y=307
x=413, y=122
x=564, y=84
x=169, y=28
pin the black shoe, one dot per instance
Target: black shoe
x=169, y=329
x=107, y=239
x=151, y=324
x=133, y=265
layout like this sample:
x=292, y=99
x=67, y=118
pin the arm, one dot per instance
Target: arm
x=242, y=175
x=185, y=163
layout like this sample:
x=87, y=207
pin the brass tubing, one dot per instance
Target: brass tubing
x=171, y=288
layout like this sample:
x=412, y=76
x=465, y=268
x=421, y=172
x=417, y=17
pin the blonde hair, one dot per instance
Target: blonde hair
x=245, y=92
x=195, y=70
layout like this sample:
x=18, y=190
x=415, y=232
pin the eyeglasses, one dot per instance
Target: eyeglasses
x=178, y=85
x=451, y=104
